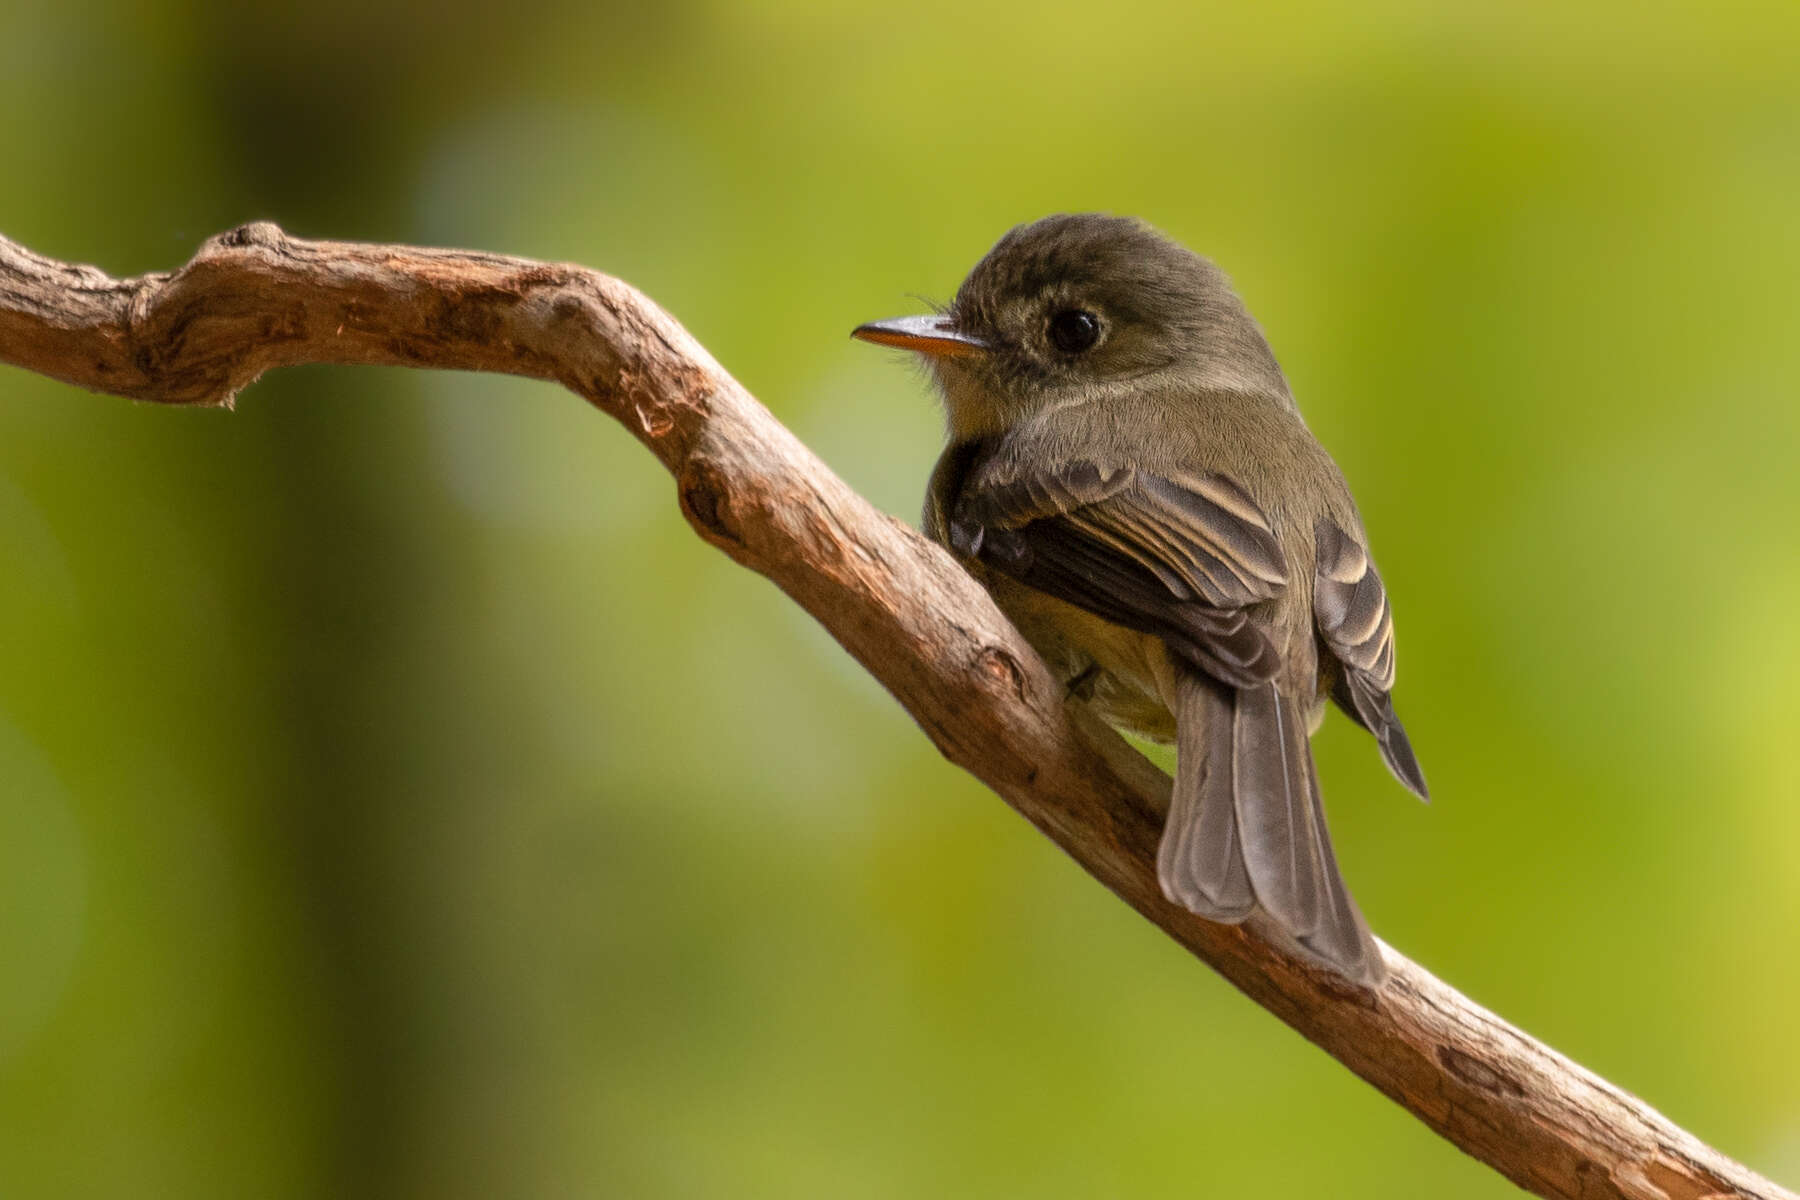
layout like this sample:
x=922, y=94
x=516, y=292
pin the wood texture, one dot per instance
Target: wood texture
x=253, y=299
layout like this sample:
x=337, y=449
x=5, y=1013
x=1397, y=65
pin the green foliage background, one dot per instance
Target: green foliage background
x=397, y=800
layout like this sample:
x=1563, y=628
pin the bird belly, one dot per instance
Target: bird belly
x=1115, y=669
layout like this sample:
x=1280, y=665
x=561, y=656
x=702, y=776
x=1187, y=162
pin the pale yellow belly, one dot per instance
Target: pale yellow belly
x=1131, y=669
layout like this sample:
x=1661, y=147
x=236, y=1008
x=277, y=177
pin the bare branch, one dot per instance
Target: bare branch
x=254, y=298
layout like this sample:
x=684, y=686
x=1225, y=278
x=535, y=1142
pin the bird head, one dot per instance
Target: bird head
x=1073, y=308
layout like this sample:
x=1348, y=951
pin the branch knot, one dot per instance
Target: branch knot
x=253, y=233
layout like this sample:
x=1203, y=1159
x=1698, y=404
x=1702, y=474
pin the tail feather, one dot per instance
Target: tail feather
x=1342, y=937
x=1275, y=816
x=1200, y=863
x=1246, y=825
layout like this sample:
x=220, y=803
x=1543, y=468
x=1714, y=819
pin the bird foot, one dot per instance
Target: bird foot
x=1081, y=687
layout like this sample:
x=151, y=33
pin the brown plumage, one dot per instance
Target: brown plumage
x=1129, y=476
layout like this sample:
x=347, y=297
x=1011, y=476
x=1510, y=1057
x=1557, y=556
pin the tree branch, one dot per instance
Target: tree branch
x=254, y=298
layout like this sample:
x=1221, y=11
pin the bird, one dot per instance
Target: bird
x=1127, y=473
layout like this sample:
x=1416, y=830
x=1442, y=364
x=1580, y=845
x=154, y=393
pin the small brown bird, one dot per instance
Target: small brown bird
x=1128, y=475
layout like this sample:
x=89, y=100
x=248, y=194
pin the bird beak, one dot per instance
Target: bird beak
x=936, y=336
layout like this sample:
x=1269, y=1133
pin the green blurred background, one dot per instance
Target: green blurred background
x=397, y=800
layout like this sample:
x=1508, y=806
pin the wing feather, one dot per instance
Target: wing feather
x=1180, y=559
x=1356, y=625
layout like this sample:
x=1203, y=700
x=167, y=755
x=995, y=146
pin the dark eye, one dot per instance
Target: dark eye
x=1073, y=330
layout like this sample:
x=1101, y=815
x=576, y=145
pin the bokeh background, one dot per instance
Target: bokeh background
x=397, y=800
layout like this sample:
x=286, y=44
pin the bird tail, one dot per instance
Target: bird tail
x=1246, y=827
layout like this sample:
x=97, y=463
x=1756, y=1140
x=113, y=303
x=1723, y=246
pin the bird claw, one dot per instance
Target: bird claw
x=1081, y=687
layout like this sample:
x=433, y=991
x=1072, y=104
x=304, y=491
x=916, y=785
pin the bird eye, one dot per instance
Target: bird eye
x=1073, y=330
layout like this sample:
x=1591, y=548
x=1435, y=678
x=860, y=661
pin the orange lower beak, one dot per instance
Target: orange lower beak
x=927, y=335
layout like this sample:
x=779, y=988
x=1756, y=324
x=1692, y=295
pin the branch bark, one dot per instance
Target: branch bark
x=254, y=298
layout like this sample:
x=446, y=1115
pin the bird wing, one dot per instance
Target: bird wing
x=1180, y=557
x=1356, y=624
